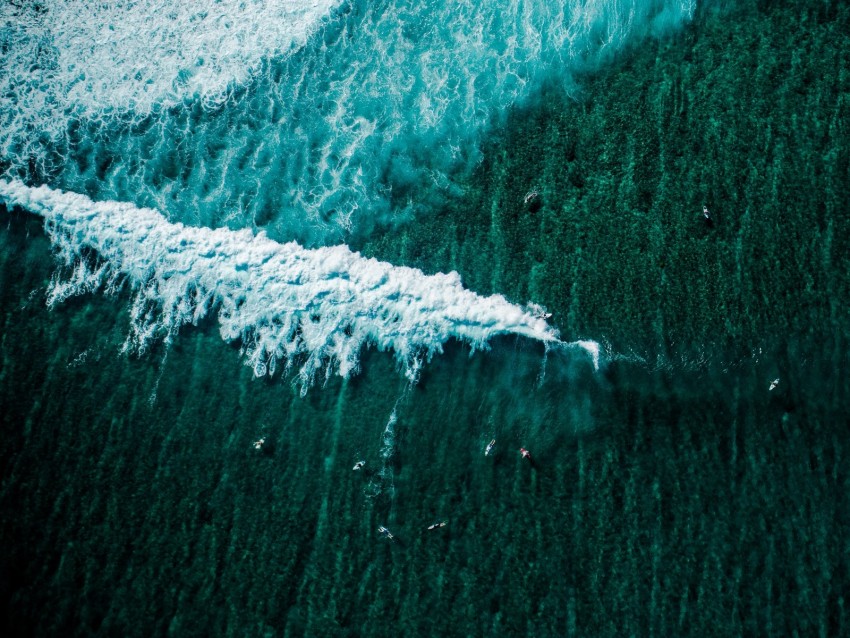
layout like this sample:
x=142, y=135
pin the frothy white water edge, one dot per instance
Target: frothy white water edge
x=318, y=119
x=315, y=308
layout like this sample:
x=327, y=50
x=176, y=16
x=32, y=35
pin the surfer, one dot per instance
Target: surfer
x=359, y=465
x=489, y=447
x=258, y=445
x=525, y=453
x=705, y=213
x=383, y=530
x=773, y=384
x=438, y=525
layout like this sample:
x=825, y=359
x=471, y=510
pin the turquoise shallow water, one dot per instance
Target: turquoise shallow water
x=671, y=493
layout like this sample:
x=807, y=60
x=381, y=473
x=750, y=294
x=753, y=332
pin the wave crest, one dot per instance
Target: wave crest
x=314, y=308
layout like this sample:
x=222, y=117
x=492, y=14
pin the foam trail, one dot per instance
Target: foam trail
x=592, y=348
x=316, y=307
x=386, y=477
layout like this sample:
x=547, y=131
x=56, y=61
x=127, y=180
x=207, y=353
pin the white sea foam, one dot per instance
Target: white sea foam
x=67, y=59
x=136, y=53
x=315, y=309
x=381, y=108
x=592, y=348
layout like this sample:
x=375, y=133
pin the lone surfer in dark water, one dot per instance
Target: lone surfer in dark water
x=706, y=215
x=526, y=455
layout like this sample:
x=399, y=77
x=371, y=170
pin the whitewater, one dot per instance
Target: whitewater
x=316, y=120
x=315, y=308
x=217, y=158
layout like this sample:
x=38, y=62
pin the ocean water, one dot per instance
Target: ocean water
x=249, y=245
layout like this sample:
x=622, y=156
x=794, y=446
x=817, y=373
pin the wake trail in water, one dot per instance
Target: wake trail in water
x=314, y=309
x=384, y=480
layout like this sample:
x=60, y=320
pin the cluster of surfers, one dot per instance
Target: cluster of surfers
x=260, y=445
x=386, y=533
x=525, y=454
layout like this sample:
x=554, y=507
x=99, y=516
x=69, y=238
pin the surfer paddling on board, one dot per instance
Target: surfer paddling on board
x=489, y=447
x=385, y=532
x=527, y=456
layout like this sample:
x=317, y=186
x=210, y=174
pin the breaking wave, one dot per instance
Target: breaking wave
x=312, y=309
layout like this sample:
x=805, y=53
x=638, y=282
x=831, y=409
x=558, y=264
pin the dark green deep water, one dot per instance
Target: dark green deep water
x=671, y=494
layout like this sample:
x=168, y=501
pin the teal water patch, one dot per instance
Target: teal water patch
x=135, y=498
x=369, y=120
x=594, y=208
